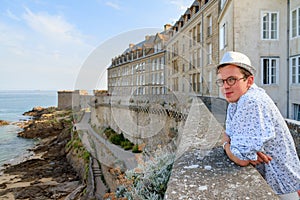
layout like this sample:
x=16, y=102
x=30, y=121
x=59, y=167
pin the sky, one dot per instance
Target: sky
x=68, y=44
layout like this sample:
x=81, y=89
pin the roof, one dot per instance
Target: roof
x=196, y=3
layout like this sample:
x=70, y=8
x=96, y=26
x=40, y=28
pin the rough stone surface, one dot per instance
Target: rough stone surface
x=202, y=170
x=3, y=123
x=48, y=174
x=215, y=177
x=294, y=127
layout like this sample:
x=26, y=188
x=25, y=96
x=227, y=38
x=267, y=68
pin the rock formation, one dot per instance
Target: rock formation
x=47, y=174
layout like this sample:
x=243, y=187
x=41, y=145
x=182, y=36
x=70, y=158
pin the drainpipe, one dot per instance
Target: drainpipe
x=202, y=52
x=233, y=35
x=288, y=58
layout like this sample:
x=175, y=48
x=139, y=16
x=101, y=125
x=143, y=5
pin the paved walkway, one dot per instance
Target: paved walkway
x=126, y=156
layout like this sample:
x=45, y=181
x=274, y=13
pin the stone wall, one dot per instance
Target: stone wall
x=294, y=127
x=201, y=169
x=140, y=124
x=73, y=99
x=64, y=99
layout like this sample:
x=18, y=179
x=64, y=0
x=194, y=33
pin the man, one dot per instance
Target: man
x=256, y=132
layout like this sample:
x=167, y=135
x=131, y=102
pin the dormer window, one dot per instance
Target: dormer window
x=222, y=3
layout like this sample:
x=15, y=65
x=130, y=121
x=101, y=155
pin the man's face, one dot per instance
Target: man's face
x=232, y=93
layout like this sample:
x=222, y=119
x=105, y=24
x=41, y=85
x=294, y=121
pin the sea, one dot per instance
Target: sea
x=13, y=104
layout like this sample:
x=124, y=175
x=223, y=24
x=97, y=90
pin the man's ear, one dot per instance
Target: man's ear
x=250, y=81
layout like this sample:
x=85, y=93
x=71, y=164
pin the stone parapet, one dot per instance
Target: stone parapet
x=294, y=127
x=203, y=171
x=214, y=176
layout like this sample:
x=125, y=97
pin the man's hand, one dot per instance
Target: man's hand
x=261, y=158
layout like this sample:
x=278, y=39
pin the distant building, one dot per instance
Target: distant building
x=140, y=69
x=183, y=57
x=294, y=60
x=192, y=51
x=260, y=29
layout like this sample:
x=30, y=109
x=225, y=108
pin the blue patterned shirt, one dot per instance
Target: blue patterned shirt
x=254, y=124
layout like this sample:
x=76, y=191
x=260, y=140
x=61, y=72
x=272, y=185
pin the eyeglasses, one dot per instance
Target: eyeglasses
x=230, y=81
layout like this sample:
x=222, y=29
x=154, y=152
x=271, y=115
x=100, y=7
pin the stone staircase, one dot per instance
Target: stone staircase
x=100, y=187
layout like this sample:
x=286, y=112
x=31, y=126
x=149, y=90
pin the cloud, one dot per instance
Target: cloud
x=114, y=5
x=11, y=15
x=54, y=26
x=182, y=5
x=43, y=44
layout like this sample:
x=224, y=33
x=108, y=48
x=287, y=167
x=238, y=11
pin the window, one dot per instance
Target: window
x=222, y=3
x=269, y=70
x=175, y=66
x=270, y=25
x=199, y=59
x=209, y=53
x=199, y=33
x=223, y=36
x=295, y=70
x=195, y=59
x=210, y=86
x=153, y=78
x=191, y=83
x=198, y=82
x=175, y=84
x=209, y=27
x=162, y=79
x=296, y=112
x=162, y=63
x=295, y=19
x=191, y=37
x=194, y=32
x=157, y=81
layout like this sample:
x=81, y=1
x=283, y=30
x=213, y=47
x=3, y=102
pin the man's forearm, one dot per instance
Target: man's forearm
x=233, y=158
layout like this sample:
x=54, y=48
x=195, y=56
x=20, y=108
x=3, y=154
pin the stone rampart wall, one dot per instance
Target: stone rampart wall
x=294, y=127
x=73, y=99
x=64, y=99
x=140, y=125
x=201, y=169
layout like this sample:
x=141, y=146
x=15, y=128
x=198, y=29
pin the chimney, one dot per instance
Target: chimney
x=131, y=46
x=167, y=26
x=147, y=37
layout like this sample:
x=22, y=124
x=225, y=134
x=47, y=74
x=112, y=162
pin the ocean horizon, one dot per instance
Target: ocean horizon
x=13, y=103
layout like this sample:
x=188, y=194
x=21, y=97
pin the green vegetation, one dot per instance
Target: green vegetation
x=76, y=145
x=119, y=139
x=135, y=149
x=127, y=145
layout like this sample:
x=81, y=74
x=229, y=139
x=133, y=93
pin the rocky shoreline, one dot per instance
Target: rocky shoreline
x=46, y=174
x=3, y=123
